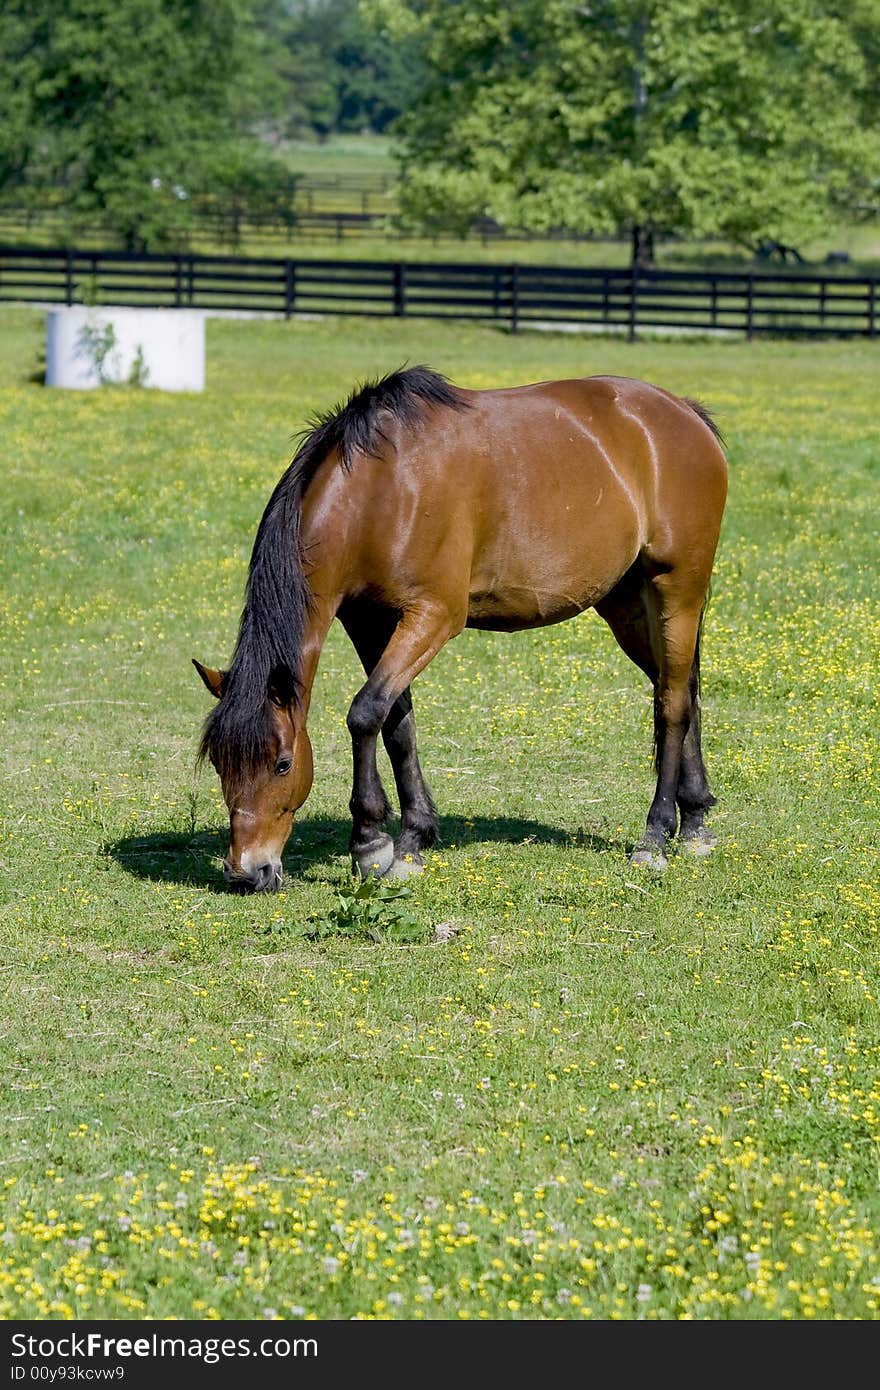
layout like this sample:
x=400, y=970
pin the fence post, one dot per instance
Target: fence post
x=178, y=281
x=514, y=299
x=872, y=308
x=714, y=305
x=289, y=288
x=68, y=269
x=190, y=278
x=400, y=289
x=633, y=301
x=750, y=291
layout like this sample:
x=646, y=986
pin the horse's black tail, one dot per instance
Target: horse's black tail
x=699, y=409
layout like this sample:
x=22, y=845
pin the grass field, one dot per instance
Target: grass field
x=862, y=244
x=607, y=1094
x=342, y=154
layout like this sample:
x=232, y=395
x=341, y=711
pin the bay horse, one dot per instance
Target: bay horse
x=418, y=508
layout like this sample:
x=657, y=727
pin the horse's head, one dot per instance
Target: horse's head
x=266, y=775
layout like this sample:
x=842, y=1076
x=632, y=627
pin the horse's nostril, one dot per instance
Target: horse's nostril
x=269, y=878
x=263, y=878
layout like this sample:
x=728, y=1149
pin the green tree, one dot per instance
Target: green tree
x=19, y=75
x=745, y=119
x=338, y=73
x=247, y=181
x=376, y=80
x=120, y=109
x=303, y=70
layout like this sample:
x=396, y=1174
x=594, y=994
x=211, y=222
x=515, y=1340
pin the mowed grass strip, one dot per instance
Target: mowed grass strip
x=606, y=1094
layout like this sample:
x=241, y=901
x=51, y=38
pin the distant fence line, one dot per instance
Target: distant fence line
x=231, y=223
x=624, y=300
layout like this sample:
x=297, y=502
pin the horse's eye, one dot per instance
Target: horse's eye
x=282, y=767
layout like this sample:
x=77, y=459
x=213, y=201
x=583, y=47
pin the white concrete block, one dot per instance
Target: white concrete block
x=163, y=348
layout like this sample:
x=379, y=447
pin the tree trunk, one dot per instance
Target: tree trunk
x=642, y=246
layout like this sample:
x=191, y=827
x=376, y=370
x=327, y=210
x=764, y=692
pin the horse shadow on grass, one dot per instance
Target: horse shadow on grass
x=191, y=857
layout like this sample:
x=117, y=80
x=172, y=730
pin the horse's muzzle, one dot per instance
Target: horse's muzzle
x=266, y=878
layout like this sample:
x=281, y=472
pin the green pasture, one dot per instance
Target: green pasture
x=577, y=1089
x=385, y=243
x=860, y=242
x=342, y=154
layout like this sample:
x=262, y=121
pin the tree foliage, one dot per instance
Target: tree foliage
x=121, y=109
x=746, y=119
x=337, y=72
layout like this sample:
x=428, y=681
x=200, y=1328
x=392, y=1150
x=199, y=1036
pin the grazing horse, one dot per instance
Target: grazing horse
x=419, y=508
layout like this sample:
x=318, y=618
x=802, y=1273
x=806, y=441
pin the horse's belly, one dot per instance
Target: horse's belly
x=509, y=607
x=532, y=578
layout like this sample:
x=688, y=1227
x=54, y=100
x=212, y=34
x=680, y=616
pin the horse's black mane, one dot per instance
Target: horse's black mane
x=355, y=427
x=237, y=732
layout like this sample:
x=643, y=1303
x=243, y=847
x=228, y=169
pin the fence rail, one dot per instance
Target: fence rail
x=230, y=224
x=739, y=302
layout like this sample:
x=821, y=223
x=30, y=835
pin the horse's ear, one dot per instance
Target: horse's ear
x=282, y=686
x=213, y=679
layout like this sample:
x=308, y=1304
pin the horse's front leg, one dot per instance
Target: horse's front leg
x=418, y=816
x=370, y=846
x=383, y=703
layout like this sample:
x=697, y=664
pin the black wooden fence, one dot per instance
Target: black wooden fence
x=624, y=300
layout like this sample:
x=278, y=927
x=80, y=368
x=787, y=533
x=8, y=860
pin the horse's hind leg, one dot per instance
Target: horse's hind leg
x=694, y=797
x=678, y=614
x=632, y=612
x=370, y=628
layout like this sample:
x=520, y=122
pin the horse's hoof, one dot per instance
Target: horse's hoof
x=402, y=869
x=649, y=857
x=698, y=843
x=377, y=860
